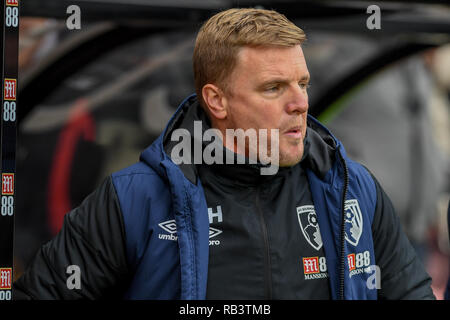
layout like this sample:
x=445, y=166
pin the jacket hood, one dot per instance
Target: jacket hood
x=320, y=143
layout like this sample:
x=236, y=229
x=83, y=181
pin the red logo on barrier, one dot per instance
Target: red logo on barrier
x=311, y=265
x=10, y=89
x=12, y=2
x=5, y=278
x=8, y=183
x=351, y=261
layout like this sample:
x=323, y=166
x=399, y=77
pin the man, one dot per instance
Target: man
x=319, y=226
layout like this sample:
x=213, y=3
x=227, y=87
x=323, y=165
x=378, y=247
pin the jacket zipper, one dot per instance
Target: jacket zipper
x=267, y=264
x=342, y=231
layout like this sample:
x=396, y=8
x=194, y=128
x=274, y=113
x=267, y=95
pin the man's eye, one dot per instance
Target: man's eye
x=272, y=89
x=304, y=85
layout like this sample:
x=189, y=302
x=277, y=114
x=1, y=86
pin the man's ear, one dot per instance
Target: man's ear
x=215, y=101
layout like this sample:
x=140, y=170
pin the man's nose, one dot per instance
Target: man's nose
x=297, y=100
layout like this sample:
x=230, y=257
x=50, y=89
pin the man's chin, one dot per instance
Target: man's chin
x=290, y=160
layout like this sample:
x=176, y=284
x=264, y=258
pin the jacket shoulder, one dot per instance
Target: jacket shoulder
x=138, y=179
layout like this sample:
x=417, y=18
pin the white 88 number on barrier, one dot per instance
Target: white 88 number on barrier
x=5, y=295
x=12, y=17
x=9, y=111
x=7, y=206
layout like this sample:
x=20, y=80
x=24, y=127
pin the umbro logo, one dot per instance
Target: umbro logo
x=214, y=232
x=170, y=227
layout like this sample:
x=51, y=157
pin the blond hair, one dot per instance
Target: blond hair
x=220, y=38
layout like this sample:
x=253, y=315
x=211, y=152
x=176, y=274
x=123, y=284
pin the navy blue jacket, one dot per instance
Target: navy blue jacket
x=155, y=191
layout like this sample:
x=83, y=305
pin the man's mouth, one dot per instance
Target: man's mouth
x=294, y=132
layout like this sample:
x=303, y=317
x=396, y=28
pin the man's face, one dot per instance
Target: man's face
x=268, y=90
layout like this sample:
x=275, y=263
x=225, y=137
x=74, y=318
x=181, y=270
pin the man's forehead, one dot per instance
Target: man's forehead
x=273, y=61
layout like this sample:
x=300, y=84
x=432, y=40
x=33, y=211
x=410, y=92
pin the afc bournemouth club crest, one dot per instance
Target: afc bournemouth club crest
x=307, y=219
x=353, y=222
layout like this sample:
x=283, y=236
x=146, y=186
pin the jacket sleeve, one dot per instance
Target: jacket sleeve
x=403, y=275
x=90, y=248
